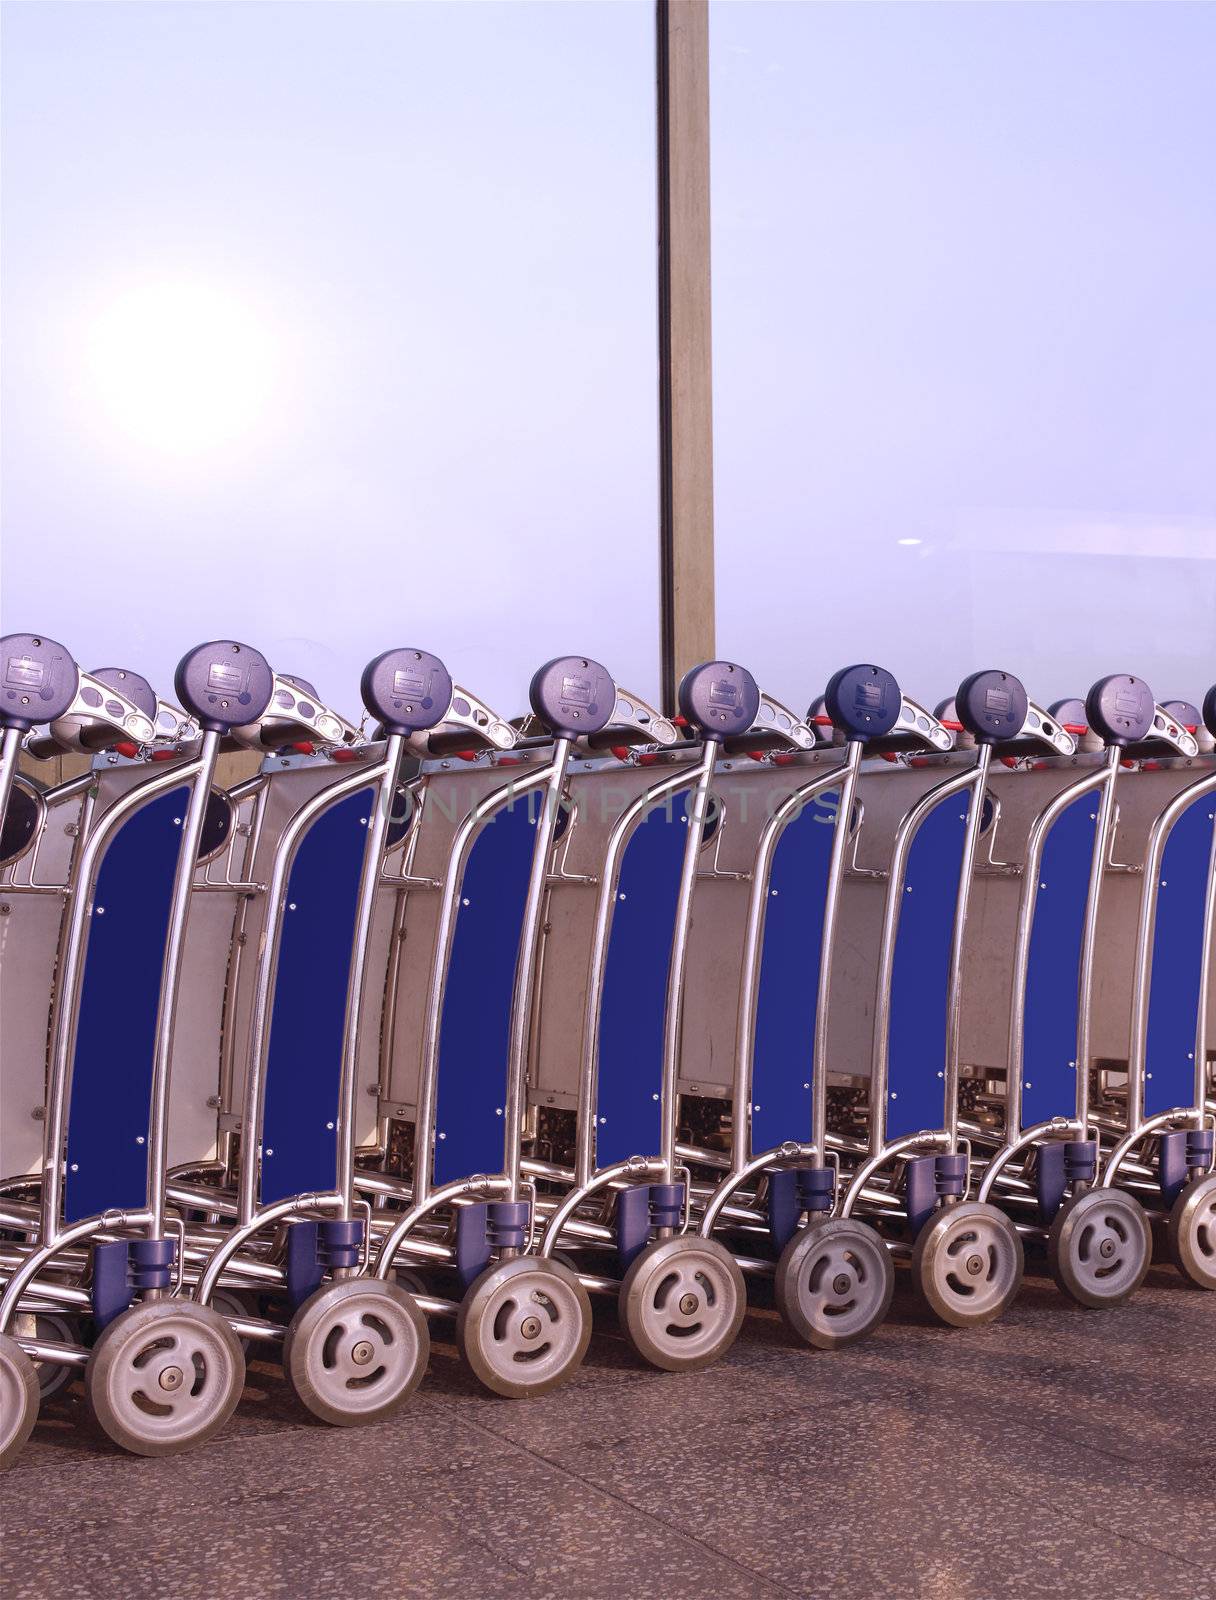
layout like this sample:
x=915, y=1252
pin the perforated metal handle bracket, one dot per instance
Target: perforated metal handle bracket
x=467, y=716
x=774, y=724
x=1167, y=730
x=633, y=721
x=1043, y=728
x=295, y=713
x=96, y=709
x=174, y=726
x=918, y=724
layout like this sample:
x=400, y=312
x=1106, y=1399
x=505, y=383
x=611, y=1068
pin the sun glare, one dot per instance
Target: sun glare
x=184, y=369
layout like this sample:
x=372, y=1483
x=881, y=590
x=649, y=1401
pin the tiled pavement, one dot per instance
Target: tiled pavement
x=1057, y=1453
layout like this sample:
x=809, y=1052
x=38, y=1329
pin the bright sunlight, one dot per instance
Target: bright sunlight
x=180, y=368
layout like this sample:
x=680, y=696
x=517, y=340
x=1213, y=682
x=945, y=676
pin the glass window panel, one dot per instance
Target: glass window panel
x=964, y=341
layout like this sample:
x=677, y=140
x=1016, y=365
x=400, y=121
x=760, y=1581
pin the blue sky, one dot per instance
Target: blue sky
x=332, y=326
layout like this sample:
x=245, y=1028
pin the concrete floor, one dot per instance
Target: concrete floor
x=1057, y=1453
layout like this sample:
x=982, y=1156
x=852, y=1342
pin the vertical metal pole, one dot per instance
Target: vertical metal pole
x=1089, y=936
x=962, y=901
x=1205, y=989
x=855, y=750
x=8, y=765
x=369, y=881
x=686, y=500
x=673, y=1016
x=170, y=980
x=524, y=984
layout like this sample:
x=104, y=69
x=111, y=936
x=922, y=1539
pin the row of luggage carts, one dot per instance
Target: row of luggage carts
x=450, y=1015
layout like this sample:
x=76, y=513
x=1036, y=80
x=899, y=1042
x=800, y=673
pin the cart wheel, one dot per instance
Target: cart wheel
x=1100, y=1246
x=682, y=1302
x=18, y=1399
x=54, y=1329
x=524, y=1325
x=1192, y=1231
x=834, y=1282
x=163, y=1376
x=355, y=1351
x=967, y=1263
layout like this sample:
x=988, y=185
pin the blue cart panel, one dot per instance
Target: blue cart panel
x=635, y=985
x=304, y=1062
x=1175, y=994
x=921, y=973
x=475, y=1028
x=1053, y=973
x=787, y=994
x=107, y=1152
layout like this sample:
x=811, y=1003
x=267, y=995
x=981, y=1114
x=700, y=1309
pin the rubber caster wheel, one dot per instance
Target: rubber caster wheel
x=524, y=1326
x=164, y=1376
x=19, y=1399
x=682, y=1302
x=967, y=1263
x=355, y=1351
x=1191, y=1232
x=834, y=1282
x=1100, y=1246
x=52, y=1328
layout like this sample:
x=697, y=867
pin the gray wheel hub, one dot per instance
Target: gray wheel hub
x=524, y=1325
x=967, y=1263
x=164, y=1376
x=834, y=1282
x=682, y=1302
x=356, y=1350
x=1100, y=1247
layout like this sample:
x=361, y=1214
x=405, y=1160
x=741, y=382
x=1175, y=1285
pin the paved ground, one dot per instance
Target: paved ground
x=1059, y=1453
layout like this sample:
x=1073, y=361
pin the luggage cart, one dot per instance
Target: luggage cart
x=300, y=740
x=1097, y=1241
x=523, y=1320
x=913, y=1174
x=606, y=964
x=1170, y=1098
x=43, y=834
x=681, y=1297
x=163, y=1373
x=355, y=1347
x=43, y=831
x=833, y=1275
